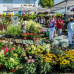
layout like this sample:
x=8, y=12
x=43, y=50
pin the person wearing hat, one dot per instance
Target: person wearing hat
x=70, y=30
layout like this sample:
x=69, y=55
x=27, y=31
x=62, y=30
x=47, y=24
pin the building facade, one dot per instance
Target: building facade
x=16, y=3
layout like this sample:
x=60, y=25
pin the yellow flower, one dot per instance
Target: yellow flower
x=35, y=54
x=54, y=62
x=41, y=61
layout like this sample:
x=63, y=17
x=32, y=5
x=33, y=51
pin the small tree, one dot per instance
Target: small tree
x=46, y=3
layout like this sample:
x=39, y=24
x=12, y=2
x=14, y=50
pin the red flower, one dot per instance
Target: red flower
x=12, y=48
x=9, y=49
x=5, y=52
x=5, y=46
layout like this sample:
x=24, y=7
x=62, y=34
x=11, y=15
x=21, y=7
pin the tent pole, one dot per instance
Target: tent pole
x=65, y=15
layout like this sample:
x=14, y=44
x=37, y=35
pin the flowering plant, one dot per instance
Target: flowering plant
x=30, y=65
x=19, y=51
x=2, y=58
x=11, y=63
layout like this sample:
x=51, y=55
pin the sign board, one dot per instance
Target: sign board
x=14, y=20
x=27, y=41
x=18, y=40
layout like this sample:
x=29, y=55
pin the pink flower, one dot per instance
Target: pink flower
x=27, y=45
x=29, y=61
x=32, y=60
x=26, y=58
x=5, y=48
x=30, y=57
x=9, y=49
x=27, y=48
x=23, y=48
x=14, y=45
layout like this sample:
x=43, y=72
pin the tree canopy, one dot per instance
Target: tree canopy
x=46, y=3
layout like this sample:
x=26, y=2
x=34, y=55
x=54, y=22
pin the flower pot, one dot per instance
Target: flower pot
x=64, y=70
x=0, y=67
x=24, y=38
x=72, y=70
x=13, y=70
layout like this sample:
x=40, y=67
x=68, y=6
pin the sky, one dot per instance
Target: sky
x=38, y=0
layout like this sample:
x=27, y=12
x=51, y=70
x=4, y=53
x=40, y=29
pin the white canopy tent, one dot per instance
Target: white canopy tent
x=29, y=9
x=63, y=4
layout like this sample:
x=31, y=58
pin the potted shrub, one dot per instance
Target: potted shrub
x=12, y=64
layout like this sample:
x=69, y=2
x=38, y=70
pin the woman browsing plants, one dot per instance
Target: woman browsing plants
x=23, y=25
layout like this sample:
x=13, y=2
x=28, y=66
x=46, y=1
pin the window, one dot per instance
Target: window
x=27, y=1
x=7, y=3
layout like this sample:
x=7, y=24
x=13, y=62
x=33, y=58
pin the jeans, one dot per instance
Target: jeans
x=51, y=33
x=42, y=24
x=59, y=32
x=70, y=37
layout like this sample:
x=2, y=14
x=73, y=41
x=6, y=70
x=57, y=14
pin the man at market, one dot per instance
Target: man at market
x=59, y=25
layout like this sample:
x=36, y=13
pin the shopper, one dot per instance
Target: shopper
x=70, y=30
x=59, y=25
x=38, y=20
x=42, y=20
x=24, y=25
x=51, y=24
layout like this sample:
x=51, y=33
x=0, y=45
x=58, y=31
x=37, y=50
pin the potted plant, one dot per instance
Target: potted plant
x=2, y=58
x=12, y=64
x=72, y=66
x=64, y=63
x=30, y=66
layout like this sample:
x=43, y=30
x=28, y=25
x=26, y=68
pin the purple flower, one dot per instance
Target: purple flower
x=26, y=58
x=30, y=57
x=29, y=61
x=32, y=60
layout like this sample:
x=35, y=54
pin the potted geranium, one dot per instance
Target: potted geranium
x=12, y=64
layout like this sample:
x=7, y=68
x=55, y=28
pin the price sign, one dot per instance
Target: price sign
x=27, y=41
x=18, y=40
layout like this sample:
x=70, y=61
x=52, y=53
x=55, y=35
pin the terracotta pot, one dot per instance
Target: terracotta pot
x=13, y=70
x=25, y=38
x=0, y=67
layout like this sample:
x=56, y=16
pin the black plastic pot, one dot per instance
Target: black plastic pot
x=72, y=70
